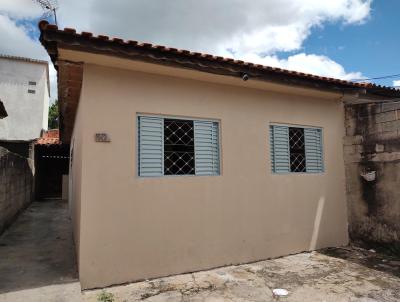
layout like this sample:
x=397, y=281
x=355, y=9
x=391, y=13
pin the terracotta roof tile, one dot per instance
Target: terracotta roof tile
x=50, y=137
x=44, y=26
x=70, y=73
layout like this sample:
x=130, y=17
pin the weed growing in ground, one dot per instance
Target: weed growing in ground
x=105, y=297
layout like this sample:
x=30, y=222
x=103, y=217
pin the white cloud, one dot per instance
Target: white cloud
x=20, y=8
x=308, y=63
x=15, y=41
x=249, y=30
x=209, y=25
x=396, y=83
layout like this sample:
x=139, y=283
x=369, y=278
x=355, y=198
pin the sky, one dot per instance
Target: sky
x=346, y=39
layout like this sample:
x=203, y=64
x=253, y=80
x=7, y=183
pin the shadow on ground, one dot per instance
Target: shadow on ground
x=311, y=277
x=368, y=258
x=37, y=250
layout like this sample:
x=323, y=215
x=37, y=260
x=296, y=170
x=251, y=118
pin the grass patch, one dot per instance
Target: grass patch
x=105, y=297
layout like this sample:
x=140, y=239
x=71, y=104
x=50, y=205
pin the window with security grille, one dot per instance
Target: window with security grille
x=296, y=149
x=172, y=146
x=178, y=147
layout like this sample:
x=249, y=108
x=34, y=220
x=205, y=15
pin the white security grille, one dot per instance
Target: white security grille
x=297, y=150
x=178, y=147
x=178, y=132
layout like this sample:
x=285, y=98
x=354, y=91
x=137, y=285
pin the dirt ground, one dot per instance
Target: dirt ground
x=37, y=263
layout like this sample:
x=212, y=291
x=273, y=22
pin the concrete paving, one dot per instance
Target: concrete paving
x=330, y=275
x=37, y=264
x=37, y=261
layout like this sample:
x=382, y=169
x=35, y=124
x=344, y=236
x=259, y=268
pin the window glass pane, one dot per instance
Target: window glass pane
x=178, y=147
x=297, y=150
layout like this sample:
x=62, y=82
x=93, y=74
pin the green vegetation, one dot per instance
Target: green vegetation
x=105, y=297
x=53, y=115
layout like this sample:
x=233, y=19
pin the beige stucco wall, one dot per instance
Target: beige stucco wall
x=76, y=180
x=135, y=228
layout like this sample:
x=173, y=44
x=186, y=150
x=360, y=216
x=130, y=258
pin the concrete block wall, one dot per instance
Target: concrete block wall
x=16, y=186
x=372, y=143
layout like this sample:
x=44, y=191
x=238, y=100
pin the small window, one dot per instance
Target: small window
x=31, y=91
x=32, y=83
x=296, y=149
x=170, y=146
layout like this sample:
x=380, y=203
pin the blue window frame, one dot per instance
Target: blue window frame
x=296, y=149
x=177, y=146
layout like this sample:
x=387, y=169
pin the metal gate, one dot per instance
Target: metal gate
x=51, y=163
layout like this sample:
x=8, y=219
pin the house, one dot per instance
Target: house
x=24, y=91
x=183, y=161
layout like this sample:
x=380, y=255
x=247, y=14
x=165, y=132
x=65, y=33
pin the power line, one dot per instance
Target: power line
x=378, y=78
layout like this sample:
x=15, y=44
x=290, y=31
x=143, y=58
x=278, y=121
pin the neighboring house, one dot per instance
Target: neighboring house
x=184, y=161
x=24, y=91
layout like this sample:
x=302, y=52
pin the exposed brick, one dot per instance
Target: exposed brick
x=390, y=106
x=351, y=126
x=349, y=112
x=369, y=109
x=352, y=140
x=391, y=126
x=349, y=150
x=379, y=148
x=352, y=158
x=15, y=186
x=359, y=148
x=364, y=110
x=374, y=128
x=376, y=108
x=389, y=135
x=385, y=116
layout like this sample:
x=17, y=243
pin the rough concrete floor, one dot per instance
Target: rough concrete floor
x=37, y=260
x=37, y=264
x=342, y=276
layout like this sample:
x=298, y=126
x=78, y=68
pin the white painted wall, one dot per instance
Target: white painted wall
x=27, y=112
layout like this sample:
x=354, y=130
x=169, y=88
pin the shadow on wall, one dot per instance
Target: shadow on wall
x=16, y=186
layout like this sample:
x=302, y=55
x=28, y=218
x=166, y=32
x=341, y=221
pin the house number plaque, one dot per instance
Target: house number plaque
x=102, y=138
